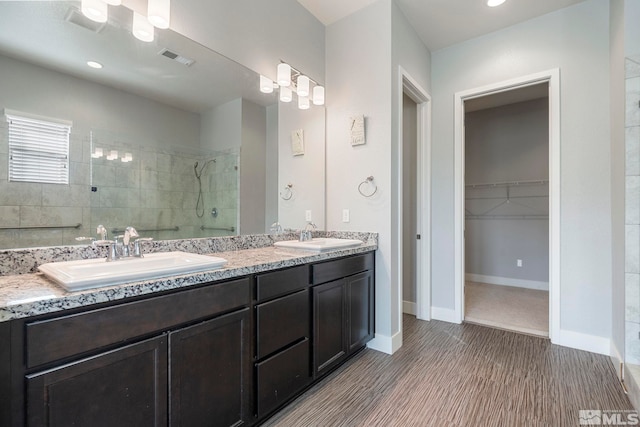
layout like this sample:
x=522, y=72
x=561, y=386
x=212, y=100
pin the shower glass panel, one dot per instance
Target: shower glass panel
x=165, y=191
x=632, y=221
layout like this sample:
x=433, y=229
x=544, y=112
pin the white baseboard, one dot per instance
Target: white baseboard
x=505, y=281
x=585, y=342
x=444, y=314
x=385, y=343
x=616, y=359
x=409, y=307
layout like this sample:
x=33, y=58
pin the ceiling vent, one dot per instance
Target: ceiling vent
x=177, y=57
x=76, y=17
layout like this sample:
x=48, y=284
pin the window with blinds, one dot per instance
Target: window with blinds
x=38, y=149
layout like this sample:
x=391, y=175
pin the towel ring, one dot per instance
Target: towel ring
x=288, y=192
x=369, y=180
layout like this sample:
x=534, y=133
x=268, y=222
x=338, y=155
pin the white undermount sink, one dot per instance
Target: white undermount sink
x=319, y=244
x=94, y=273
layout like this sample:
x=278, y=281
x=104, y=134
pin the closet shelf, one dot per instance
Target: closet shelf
x=508, y=183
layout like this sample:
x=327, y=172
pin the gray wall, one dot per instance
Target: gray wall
x=271, y=184
x=508, y=143
x=576, y=40
x=253, y=168
x=307, y=172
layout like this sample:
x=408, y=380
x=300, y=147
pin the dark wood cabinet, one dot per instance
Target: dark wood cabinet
x=210, y=372
x=227, y=353
x=343, y=310
x=283, y=358
x=329, y=320
x=126, y=387
x=360, y=300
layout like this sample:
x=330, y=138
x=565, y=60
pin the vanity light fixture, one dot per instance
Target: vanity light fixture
x=303, y=102
x=96, y=10
x=284, y=75
x=318, y=95
x=94, y=64
x=290, y=80
x=266, y=84
x=494, y=3
x=159, y=13
x=303, y=86
x=285, y=94
x=142, y=28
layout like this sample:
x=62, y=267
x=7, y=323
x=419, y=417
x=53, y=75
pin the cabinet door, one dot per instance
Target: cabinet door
x=124, y=387
x=210, y=372
x=329, y=325
x=360, y=297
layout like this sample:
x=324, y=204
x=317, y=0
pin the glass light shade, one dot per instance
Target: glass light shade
x=318, y=95
x=285, y=94
x=494, y=3
x=303, y=102
x=284, y=74
x=97, y=153
x=113, y=2
x=127, y=158
x=96, y=10
x=159, y=13
x=113, y=154
x=266, y=84
x=142, y=29
x=94, y=64
x=303, y=86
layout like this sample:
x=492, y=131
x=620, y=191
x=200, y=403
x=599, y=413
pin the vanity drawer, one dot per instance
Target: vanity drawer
x=279, y=377
x=53, y=339
x=281, y=282
x=332, y=270
x=281, y=322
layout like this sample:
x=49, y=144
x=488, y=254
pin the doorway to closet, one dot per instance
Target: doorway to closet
x=506, y=209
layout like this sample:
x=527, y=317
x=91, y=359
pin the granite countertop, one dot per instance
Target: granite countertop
x=32, y=294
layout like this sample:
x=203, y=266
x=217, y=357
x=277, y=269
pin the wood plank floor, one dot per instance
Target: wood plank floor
x=460, y=375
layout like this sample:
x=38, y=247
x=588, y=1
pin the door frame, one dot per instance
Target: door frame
x=408, y=85
x=552, y=77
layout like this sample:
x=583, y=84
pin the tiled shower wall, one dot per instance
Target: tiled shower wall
x=157, y=190
x=632, y=212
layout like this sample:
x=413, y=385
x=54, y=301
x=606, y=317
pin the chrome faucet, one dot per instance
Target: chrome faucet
x=305, y=235
x=120, y=246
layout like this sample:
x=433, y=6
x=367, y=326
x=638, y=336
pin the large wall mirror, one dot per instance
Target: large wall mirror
x=168, y=136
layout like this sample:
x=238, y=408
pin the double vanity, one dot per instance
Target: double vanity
x=225, y=346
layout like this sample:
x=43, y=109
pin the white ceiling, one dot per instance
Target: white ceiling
x=443, y=23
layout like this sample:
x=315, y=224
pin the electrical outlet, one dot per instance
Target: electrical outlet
x=519, y=263
x=345, y=215
x=307, y=215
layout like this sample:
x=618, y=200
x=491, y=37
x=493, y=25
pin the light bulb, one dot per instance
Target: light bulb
x=96, y=10
x=303, y=102
x=318, y=95
x=303, y=86
x=142, y=29
x=159, y=13
x=266, y=84
x=284, y=74
x=285, y=94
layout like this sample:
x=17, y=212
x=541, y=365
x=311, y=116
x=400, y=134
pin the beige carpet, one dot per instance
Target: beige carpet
x=506, y=307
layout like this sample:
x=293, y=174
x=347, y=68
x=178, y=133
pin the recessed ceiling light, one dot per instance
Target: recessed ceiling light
x=94, y=64
x=494, y=3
